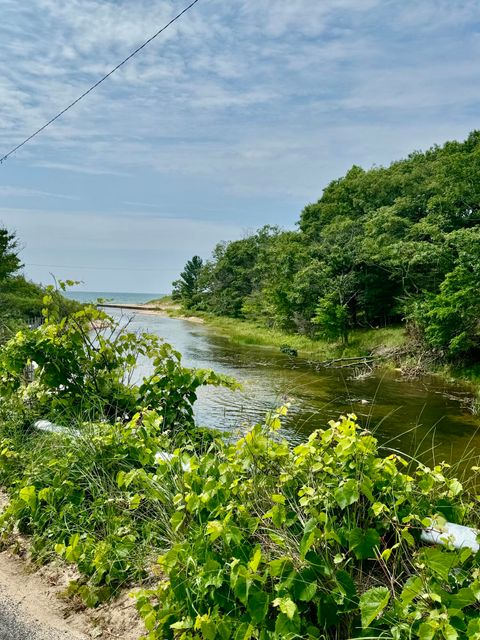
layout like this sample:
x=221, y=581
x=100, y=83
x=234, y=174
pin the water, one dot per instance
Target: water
x=115, y=297
x=411, y=416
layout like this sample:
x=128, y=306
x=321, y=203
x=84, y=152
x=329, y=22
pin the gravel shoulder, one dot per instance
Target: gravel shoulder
x=29, y=608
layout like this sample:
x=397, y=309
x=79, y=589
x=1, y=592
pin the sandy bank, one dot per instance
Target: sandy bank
x=170, y=311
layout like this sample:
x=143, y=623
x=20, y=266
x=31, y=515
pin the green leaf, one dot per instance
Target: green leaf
x=214, y=529
x=449, y=632
x=150, y=620
x=286, y=606
x=463, y=598
x=305, y=585
x=281, y=567
x=244, y=632
x=278, y=515
x=135, y=501
x=28, y=495
x=363, y=543
x=256, y=559
x=309, y=537
x=185, y=623
x=439, y=561
x=372, y=603
x=209, y=629
x=427, y=630
x=177, y=519
x=347, y=494
x=257, y=605
x=473, y=630
x=224, y=628
x=285, y=627
x=407, y=536
x=346, y=590
x=413, y=587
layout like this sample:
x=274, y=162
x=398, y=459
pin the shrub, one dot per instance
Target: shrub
x=86, y=366
x=316, y=542
x=98, y=498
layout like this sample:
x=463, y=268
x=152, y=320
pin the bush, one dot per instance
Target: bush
x=257, y=539
x=97, y=498
x=86, y=366
x=318, y=541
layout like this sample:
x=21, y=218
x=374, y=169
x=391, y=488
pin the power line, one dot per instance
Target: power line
x=70, y=266
x=94, y=86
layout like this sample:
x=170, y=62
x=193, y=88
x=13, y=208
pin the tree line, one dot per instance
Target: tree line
x=20, y=299
x=380, y=247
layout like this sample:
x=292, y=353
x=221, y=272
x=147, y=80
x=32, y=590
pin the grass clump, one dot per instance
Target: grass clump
x=361, y=341
x=94, y=498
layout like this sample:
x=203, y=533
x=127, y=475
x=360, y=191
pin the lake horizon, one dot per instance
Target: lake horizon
x=116, y=297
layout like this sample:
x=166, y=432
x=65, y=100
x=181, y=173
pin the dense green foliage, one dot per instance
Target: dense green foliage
x=19, y=299
x=9, y=261
x=91, y=492
x=85, y=361
x=321, y=541
x=251, y=537
x=379, y=246
x=256, y=538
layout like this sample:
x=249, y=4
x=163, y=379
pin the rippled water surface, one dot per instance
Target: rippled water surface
x=405, y=415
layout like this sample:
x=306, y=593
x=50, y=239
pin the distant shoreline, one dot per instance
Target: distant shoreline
x=166, y=311
x=126, y=305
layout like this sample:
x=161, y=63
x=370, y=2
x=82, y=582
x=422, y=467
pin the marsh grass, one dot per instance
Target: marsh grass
x=66, y=496
x=361, y=342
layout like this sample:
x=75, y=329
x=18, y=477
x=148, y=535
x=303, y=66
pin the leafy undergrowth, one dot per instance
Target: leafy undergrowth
x=92, y=499
x=321, y=541
x=255, y=539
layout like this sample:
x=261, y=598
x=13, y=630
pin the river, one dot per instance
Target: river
x=426, y=417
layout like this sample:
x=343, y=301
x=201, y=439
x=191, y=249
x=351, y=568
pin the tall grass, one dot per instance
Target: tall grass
x=361, y=341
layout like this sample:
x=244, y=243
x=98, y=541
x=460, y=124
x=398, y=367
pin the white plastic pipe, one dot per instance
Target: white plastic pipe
x=165, y=456
x=449, y=533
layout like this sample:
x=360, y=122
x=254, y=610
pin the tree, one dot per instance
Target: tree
x=376, y=245
x=233, y=273
x=332, y=319
x=10, y=263
x=186, y=288
x=450, y=319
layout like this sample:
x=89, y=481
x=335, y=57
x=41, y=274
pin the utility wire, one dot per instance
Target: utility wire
x=70, y=266
x=94, y=86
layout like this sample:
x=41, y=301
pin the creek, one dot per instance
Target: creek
x=426, y=417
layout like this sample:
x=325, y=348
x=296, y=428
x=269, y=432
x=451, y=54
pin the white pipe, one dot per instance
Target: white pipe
x=450, y=533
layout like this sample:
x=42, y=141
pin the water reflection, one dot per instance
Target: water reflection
x=424, y=415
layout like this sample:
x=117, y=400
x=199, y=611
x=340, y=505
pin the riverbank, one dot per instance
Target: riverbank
x=388, y=346
x=362, y=342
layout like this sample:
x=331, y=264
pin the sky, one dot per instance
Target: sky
x=235, y=117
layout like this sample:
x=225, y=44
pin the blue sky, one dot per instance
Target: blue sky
x=235, y=117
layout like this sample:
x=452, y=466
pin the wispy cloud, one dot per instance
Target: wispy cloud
x=242, y=110
x=25, y=192
x=222, y=66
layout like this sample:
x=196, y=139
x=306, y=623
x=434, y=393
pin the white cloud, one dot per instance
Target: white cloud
x=244, y=108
